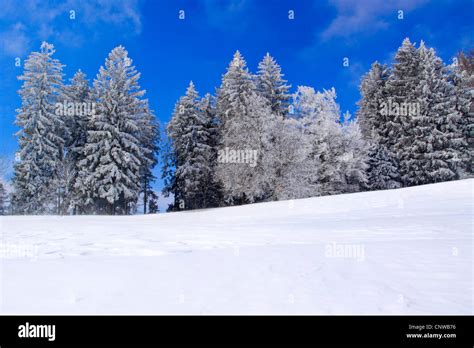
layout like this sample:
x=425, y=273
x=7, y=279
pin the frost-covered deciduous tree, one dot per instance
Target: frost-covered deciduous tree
x=354, y=162
x=295, y=171
x=319, y=114
x=41, y=136
x=110, y=170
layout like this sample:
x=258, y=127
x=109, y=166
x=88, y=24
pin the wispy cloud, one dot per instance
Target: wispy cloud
x=14, y=41
x=27, y=21
x=355, y=17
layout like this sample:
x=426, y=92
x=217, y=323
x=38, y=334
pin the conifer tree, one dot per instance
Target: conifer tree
x=404, y=92
x=78, y=110
x=272, y=86
x=373, y=96
x=3, y=199
x=445, y=142
x=191, y=132
x=149, y=135
x=113, y=153
x=382, y=172
x=41, y=136
x=242, y=114
x=461, y=75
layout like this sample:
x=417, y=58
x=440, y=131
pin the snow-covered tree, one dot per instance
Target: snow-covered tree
x=382, y=171
x=272, y=86
x=211, y=186
x=110, y=171
x=355, y=156
x=3, y=199
x=191, y=132
x=168, y=173
x=295, y=171
x=401, y=112
x=319, y=114
x=446, y=146
x=377, y=128
x=242, y=114
x=41, y=136
x=149, y=136
x=402, y=90
x=78, y=108
x=461, y=75
x=153, y=202
x=373, y=95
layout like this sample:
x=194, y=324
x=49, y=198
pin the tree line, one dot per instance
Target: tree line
x=414, y=125
x=91, y=149
x=83, y=149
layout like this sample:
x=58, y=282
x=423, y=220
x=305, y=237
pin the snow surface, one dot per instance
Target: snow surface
x=403, y=251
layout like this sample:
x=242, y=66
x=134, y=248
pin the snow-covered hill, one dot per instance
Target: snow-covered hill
x=400, y=251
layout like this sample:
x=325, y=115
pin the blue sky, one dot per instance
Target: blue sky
x=169, y=52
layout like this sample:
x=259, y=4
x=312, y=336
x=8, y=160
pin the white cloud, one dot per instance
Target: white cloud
x=365, y=15
x=14, y=41
x=36, y=20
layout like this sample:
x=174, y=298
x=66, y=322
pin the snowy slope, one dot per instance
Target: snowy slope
x=399, y=251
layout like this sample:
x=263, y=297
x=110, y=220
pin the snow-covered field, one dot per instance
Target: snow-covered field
x=400, y=251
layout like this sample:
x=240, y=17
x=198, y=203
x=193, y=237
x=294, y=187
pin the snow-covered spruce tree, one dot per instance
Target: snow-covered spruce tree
x=438, y=149
x=190, y=130
x=400, y=126
x=78, y=108
x=149, y=135
x=113, y=153
x=168, y=173
x=242, y=114
x=176, y=148
x=382, y=171
x=3, y=199
x=376, y=129
x=153, y=202
x=461, y=75
x=272, y=86
x=319, y=114
x=373, y=95
x=274, y=90
x=211, y=189
x=41, y=136
x=466, y=66
x=354, y=162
